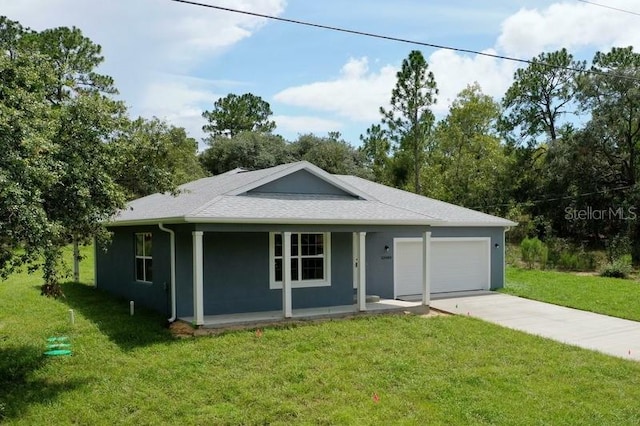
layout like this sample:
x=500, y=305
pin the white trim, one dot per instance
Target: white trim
x=295, y=167
x=436, y=240
x=426, y=268
x=172, y=265
x=286, y=275
x=455, y=224
x=326, y=282
x=144, y=257
x=198, y=278
x=362, y=271
x=433, y=222
x=309, y=221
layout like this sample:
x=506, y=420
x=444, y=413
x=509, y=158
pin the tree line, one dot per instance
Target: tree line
x=562, y=143
x=563, y=138
x=71, y=154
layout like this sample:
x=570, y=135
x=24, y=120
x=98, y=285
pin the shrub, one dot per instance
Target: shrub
x=568, y=261
x=580, y=260
x=619, y=268
x=617, y=247
x=533, y=250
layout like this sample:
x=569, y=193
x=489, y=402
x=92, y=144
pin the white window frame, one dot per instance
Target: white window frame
x=326, y=282
x=144, y=257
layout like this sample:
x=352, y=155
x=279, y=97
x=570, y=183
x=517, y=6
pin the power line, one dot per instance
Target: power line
x=402, y=40
x=566, y=197
x=610, y=7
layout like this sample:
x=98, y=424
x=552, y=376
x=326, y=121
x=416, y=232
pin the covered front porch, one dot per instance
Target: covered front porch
x=354, y=277
x=268, y=317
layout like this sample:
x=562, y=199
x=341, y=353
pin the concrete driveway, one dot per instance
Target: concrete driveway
x=612, y=336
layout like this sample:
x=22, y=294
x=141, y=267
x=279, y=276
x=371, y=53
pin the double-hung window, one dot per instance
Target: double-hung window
x=310, y=259
x=144, y=260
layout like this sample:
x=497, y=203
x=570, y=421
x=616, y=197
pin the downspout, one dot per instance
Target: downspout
x=172, y=236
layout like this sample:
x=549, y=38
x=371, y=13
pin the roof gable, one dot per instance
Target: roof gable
x=300, y=182
x=320, y=180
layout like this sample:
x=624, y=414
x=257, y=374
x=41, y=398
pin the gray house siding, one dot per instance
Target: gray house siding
x=184, y=270
x=236, y=275
x=116, y=274
x=380, y=263
x=300, y=182
x=236, y=265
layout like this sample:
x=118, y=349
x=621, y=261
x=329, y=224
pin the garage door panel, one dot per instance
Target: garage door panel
x=408, y=274
x=457, y=264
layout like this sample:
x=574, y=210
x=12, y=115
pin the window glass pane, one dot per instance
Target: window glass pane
x=277, y=240
x=147, y=245
x=312, y=244
x=294, y=270
x=319, y=243
x=148, y=270
x=278, y=270
x=313, y=268
x=139, y=269
x=294, y=244
x=139, y=245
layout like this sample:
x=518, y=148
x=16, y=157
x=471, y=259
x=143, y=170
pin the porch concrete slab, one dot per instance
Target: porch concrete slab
x=251, y=318
x=602, y=333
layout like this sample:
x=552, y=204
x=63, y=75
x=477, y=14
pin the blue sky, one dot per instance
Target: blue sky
x=173, y=60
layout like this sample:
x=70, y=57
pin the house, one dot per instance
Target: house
x=292, y=237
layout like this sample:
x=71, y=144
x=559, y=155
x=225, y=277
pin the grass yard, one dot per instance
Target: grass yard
x=371, y=370
x=609, y=296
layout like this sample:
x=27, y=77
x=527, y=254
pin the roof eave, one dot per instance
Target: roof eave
x=305, y=221
x=504, y=224
x=144, y=222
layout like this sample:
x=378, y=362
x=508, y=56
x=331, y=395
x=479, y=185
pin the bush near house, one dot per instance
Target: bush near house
x=618, y=268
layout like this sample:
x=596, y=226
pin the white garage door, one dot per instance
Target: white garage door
x=457, y=264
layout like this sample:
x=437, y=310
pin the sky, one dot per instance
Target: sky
x=173, y=60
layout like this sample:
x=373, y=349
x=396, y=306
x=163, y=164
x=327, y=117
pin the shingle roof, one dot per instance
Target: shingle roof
x=223, y=199
x=447, y=212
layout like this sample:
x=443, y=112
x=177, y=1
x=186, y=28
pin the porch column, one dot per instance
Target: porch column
x=360, y=269
x=426, y=268
x=198, y=302
x=286, y=275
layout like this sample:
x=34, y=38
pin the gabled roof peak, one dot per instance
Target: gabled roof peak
x=283, y=170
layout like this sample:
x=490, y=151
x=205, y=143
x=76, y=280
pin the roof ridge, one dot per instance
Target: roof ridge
x=204, y=206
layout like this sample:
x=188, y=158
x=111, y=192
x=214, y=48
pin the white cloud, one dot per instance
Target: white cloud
x=305, y=124
x=356, y=94
x=570, y=24
x=179, y=100
x=146, y=41
x=453, y=72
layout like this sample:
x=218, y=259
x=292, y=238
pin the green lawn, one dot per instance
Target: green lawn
x=442, y=370
x=609, y=296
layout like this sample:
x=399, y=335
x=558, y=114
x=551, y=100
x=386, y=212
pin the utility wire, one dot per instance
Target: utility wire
x=566, y=197
x=403, y=40
x=610, y=7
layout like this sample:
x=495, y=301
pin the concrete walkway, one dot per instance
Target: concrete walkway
x=612, y=336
